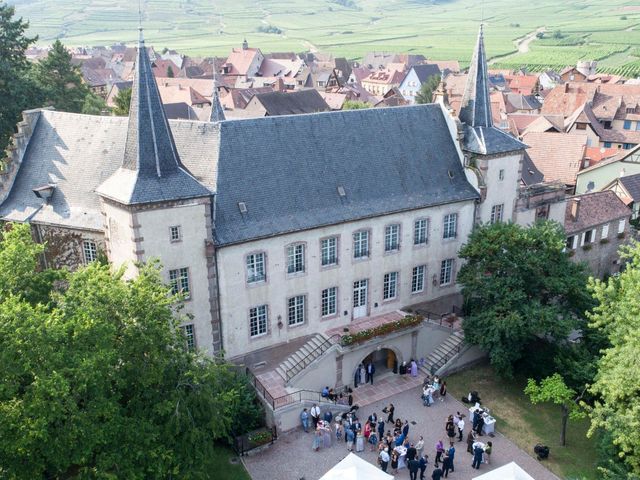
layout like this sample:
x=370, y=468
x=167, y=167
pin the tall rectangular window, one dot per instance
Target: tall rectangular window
x=329, y=304
x=179, y=281
x=391, y=238
x=256, y=271
x=390, y=286
x=296, y=310
x=420, y=229
x=90, y=251
x=496, y=213
x=258, y=321
x=571, y=242
x=329, y=251
x=417, y=279
x=621, y=224
x=295, y=258
x=627, y=125
x=446, y=271
x=189, y=336
x=501, y=174
x=361, y=244
x=605, y=231
x=450, y=226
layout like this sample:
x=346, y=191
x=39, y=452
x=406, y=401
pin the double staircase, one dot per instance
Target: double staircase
x=443, y=353
x=304, y=356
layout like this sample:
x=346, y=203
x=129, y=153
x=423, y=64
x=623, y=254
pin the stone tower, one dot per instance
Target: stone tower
x=494, y=156
x=154, y=208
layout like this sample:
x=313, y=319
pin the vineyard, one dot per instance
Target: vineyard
x=604, y=30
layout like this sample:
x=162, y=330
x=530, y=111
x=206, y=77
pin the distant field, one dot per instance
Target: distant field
x=440, y=29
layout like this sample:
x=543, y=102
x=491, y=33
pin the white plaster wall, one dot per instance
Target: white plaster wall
x=430, y=338
x=189, y=252
x=236, y=297
x=120, y=237
x=500, y=191
x=557, y=212
x=320, y=373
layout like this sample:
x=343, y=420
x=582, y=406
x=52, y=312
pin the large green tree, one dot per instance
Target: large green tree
x=617, y=383
x=15, y=85
x=518, y=286
x=427, y=89
x=61, y=81
x=122, y=101
x=97, y=381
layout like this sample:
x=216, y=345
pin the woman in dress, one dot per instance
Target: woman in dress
x=394, y=461
x=326, y=434
x=420, y=447
x=390, y=410
x=317, y=439
x=373, y=438
x=367, y=430
x=443, y=391
x=450, y=428
x=414, y=368
x=339, y=429
x=360, y=442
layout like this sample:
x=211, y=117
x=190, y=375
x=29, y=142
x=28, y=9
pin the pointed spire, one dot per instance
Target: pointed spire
x=217, y=112
x=151, y=169
x=476, y=103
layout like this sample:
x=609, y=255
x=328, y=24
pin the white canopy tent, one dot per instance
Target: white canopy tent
x=510, y=471
x=352, y=467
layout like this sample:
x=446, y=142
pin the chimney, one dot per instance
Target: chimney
x=575, y=209
x=245, y=44
x=566, y=87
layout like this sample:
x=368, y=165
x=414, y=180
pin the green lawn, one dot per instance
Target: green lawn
x=222, y=469
x=527, y=424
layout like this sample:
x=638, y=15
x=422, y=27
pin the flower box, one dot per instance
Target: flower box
x=384, y=329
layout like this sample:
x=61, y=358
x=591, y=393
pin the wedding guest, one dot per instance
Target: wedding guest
x=424, y=460
x=487, y=453
x=414, y=368
x=478, y=452
x=384, y=459
x=443, y=391
x=394, y=461
x=450, y=429
x=304, y=418
x=439, y=452
x=446, y=465
x=420, y=446
x=412, y=452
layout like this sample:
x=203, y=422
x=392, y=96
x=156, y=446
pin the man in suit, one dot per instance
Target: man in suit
x=371, y=369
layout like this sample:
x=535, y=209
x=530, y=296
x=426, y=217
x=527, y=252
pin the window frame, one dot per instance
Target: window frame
x=390, y=286
x=391, y=233
x=258, y=321
x=501, y=174
x=326, y=301
x=252, y=280
x=497, y=211
x=173, y=282
x=417, y=243
x=322, y=250
x=414, y=278
x=446, y=226
x=622, y=224
x=604, y=232
x=91, y=247
x=299, y=264
x=172, y=238
x=190, y=336
x=367, y=251
x=443, y=272
x=297, y=308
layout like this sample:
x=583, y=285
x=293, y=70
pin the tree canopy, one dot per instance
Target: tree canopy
x=518, y=286
x=60, y=80
x=425, y=95
x=122, y=101
x=96, y=380
x=617, y=383
x=15, y=85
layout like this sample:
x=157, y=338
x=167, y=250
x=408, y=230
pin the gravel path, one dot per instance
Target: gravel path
x=291, y=457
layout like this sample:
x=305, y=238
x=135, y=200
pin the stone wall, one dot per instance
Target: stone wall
x=64, y=246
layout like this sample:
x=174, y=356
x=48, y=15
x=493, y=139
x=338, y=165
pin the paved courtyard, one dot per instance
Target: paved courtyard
x=291, y=457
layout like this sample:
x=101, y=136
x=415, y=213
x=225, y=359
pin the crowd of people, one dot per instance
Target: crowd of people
x=389, y=436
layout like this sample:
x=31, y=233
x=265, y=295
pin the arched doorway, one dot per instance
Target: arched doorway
x=386, y=360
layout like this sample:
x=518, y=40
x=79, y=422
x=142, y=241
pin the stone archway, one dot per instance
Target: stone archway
x=384, y=357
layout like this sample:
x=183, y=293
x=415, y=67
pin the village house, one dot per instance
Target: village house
x=628, y=190
x=413, y=80
x=381, y=81
x=597, y=225
x=277, y=103
x=598, y=176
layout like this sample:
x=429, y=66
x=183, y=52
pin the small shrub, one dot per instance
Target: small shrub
x=588, y=246
x=604, y=240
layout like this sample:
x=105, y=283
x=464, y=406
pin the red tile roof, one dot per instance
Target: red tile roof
x=557, y=155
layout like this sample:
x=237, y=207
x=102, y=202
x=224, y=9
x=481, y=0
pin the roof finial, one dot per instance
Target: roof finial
x=481, y=15
x=140, y=36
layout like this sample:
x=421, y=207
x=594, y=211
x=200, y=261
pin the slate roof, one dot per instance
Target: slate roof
x=151, y=169
x=423, y=72
x=530, y=173
x=217, y=112
x=595, y=209
x=475, y=111
x=302, y=101
x=386, y=159
x=285, y=169
x=631, y=183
